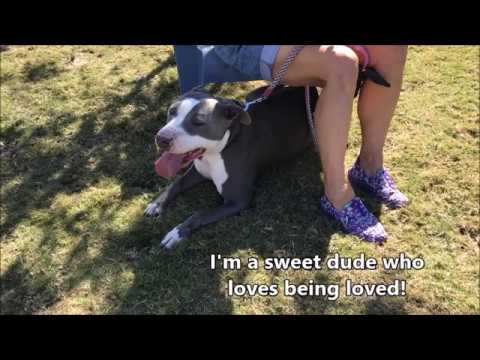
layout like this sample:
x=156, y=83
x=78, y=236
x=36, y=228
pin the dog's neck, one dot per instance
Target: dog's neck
x=221, y=145
x=234, y=132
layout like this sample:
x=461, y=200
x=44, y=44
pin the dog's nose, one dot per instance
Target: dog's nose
x=163, y=141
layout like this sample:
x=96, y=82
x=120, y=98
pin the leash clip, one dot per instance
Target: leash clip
x=248, y=103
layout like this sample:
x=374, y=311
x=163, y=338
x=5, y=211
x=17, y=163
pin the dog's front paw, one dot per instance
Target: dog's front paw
x=172, y=239
x=152, y=209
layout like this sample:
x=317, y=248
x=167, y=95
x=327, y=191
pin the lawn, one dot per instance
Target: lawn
x=77, y=125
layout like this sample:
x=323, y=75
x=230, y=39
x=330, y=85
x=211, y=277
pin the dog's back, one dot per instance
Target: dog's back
x=279, y=129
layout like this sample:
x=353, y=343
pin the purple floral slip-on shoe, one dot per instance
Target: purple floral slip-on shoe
x=381, y=186
x=356, y=219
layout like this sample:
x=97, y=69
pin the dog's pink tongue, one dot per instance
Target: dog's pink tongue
x=168, y=165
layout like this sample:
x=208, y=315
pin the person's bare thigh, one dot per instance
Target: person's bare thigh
x=312, y=65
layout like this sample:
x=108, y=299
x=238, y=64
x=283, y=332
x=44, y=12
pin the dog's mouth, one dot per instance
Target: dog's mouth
x=169, y=164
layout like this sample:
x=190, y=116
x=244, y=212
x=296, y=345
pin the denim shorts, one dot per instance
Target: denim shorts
x=254, y=61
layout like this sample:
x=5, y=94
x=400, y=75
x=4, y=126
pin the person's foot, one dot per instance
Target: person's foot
x=356, y=220
x=380, y=185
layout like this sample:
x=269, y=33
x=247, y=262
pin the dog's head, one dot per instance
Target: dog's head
x=197, y=123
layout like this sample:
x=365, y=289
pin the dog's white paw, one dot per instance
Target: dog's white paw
x=152, y=209
x=172, y=239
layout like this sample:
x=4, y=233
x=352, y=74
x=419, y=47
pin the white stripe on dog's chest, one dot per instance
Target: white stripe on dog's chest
x=212, y=167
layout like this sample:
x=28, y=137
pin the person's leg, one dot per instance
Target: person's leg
x=375, y=109
x=376, y=103
x=335, y=68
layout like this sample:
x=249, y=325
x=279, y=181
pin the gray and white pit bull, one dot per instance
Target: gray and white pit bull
x=227, y=145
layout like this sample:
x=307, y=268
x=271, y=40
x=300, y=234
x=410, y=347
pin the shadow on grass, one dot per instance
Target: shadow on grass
x=284, y=219
x=386, y=306
x=40, y=72
x=23, y=293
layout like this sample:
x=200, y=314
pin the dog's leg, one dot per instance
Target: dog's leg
x=183, y=183
x=180, y=232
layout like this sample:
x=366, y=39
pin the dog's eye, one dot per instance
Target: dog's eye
x=173, y=111
x=198, y=121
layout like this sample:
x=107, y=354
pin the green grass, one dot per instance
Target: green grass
x=77, y=124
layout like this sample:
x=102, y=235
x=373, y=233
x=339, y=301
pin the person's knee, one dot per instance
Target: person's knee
x=343, y=68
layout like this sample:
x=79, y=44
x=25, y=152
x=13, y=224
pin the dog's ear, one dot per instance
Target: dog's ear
x=199, y=88
x=233, y=111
